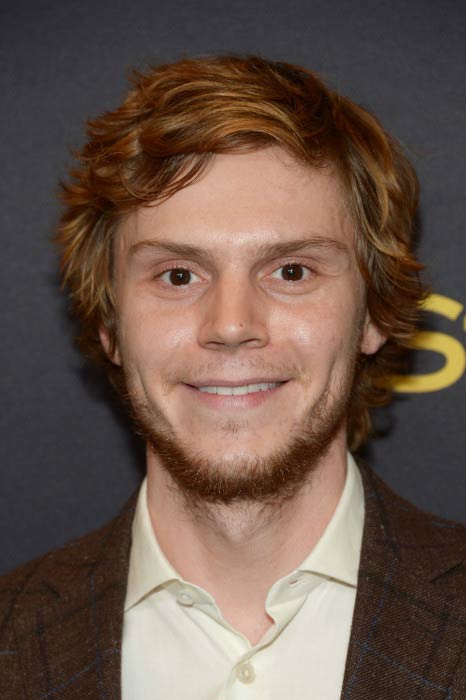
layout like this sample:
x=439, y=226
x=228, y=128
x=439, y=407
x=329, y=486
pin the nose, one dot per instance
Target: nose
x=234, y=315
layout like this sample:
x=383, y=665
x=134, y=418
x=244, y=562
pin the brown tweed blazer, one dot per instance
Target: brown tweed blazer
x=61, y=615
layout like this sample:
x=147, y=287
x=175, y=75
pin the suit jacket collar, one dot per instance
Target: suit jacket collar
x=70, y=626
x=402, y=618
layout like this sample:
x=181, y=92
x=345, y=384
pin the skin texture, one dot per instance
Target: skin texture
x=240, y=488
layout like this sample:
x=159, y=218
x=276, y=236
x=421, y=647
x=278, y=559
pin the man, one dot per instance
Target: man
x=237, y=243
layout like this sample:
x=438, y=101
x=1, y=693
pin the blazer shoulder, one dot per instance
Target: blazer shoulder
x=16, y=580
x=53, y=592
x=427, y=541
x=57, y=572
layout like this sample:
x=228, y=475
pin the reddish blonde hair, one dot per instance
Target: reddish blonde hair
x=174, y=119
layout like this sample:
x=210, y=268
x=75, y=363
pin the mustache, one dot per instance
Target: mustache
x=227, y=367
x=233, y=367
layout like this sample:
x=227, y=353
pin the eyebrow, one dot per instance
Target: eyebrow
x=264, y=250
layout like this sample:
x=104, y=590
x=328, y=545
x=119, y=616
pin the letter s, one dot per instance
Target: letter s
x=451, y=349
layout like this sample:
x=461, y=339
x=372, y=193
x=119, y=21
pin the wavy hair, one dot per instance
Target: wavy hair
x=175, y=118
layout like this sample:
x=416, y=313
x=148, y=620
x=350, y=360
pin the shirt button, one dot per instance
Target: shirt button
x=245, y=673
x=185, y=598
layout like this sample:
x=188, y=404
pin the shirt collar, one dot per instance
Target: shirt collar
x=335, y=556
x=148, y=566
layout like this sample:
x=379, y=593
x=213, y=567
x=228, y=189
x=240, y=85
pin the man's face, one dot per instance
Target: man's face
x=241, y=314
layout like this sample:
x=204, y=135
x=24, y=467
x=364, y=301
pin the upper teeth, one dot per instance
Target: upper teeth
x=237, y=390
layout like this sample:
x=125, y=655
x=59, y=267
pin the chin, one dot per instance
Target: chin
x=233, y=470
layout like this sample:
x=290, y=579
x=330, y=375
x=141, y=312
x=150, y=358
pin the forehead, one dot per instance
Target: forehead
x=243, y=201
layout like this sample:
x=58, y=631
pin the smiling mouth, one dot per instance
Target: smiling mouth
x=239, y=390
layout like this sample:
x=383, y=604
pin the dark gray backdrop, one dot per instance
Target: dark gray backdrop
x=68, y=460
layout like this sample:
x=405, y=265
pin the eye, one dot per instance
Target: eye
x=291, y=272
x=178, y=277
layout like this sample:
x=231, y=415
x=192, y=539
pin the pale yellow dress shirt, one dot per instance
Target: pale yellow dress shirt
x=177, y=646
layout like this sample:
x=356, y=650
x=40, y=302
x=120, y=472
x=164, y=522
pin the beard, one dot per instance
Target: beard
x=269, y=480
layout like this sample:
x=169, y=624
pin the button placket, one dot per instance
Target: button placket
x=185, y=598
x=245, y=673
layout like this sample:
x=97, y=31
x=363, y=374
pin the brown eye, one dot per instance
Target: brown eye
x=178, y=277
x=293, y=272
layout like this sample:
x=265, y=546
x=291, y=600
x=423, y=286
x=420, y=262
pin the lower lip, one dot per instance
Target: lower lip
x=219, y=401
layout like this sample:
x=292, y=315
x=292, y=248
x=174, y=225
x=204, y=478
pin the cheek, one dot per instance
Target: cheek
x=151, y=338
x=320, y=335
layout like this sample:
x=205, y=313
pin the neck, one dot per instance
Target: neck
x=236, y=552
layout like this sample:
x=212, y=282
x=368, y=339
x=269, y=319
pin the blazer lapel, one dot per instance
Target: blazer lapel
x=69, y=634
x=406, y=634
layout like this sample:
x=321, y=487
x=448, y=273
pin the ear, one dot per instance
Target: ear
x=372, y=338
x=106, y=344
